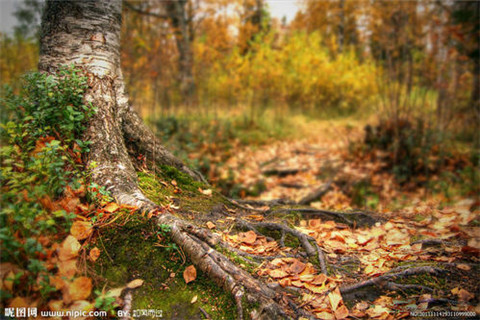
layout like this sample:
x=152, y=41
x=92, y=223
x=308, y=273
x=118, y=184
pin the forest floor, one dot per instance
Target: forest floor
x=380, y=249
x=419, y=254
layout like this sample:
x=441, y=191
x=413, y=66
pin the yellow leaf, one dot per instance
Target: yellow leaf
x=210, y=225
x=325, y=315
x=207, y=192
x=114, y=293
x=194, y=299
x=190, y=274
x=335, y=298
x=81, y=305
x=8, y=282
x=135, y=283
x=111, y=207
x=81, y=230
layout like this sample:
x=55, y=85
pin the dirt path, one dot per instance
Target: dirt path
x=421, y=257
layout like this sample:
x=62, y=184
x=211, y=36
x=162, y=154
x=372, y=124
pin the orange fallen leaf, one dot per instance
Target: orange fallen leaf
x=55, y=305
x=341, y=313
x=67, y=268
x=57, y=282
x=248, y=237
x=190, y=274
x=69, y=248
x=94, y=254
x=463, y=266
x=19, y=302
x=296, y=267
x=81, y=230
x=277, y=273
x=80, y=288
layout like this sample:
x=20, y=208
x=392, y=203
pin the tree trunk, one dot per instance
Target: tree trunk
x=87, y=34
x=176, y=11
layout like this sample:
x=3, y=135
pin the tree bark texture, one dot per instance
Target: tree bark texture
x=87, y=35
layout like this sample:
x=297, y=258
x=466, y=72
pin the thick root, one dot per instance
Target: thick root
x=243, y=287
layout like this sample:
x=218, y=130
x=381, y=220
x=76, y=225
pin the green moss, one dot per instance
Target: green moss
x=185, y=182
x=153, y=189
x=133, y=251
x=190, y=199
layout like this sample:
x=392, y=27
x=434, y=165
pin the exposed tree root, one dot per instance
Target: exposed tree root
x=311, y=250
x=383, y=280
x=317, y=194
x=226, y=274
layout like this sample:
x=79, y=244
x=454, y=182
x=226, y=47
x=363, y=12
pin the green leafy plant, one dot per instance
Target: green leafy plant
x=40, y=158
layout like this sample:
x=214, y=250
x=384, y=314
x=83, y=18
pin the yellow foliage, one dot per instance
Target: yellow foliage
x=300, y=73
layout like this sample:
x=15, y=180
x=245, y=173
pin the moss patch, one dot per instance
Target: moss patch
x=134, y=251
x=188, y=197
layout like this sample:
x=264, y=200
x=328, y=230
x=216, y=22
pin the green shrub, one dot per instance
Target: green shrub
x=40, y=158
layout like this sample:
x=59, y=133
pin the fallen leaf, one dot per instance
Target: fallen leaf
x=341, y=313
x=135, y=283
x=190, y=274
x=114, y=293
x=94, y=254
x=67, y=268
x=81, y=230
x=194, y=299
x=248, y=237
x=464, y=295
x=82, y=306
x=19, y=302
x=463, y=266
x=55, y=305
x=69, y=248
x=111, y=207
x=325, y=315
x=8, y=282
x=277, y=273
x=57, y=282
x=207, y=192
x=210, y=225
x=80, y=288
x=335, y=298
x=296, y=267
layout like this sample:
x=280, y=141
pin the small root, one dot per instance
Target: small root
x=384, y=279
x=401, y=287
x=304, y=239
x=317, y=194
